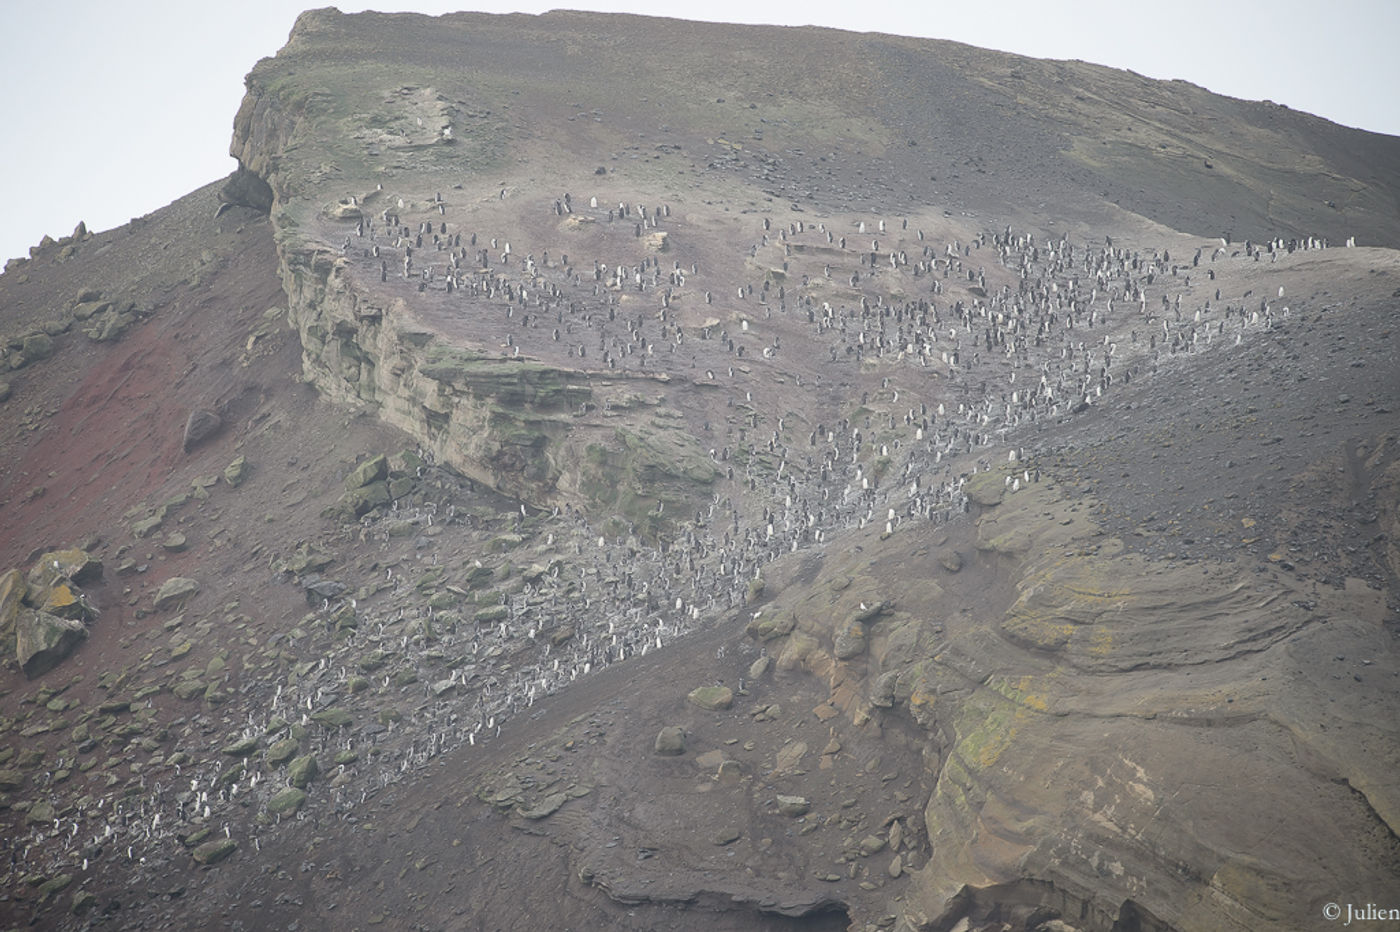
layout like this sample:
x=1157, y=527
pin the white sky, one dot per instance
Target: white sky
x=110, y=109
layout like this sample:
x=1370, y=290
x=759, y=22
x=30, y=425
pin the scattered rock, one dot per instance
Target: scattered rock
x=710, y=760
x=871, y=844
x=767, y=626
x=950, y=560
x=212, y=852
x=287, y=802
x=54, y=886
x=320, y=590
x=546, y=807
x=236, y=472
x=334, y=717
x=794, y=806
x=711, y=698
x=242, y=747
x=200, y=426
x=670, y=741
x=37, y=346
x=282, y=751
x=82, y=902
x=727, y=836
x=302, y=771
x=759, y=667
x=174, y=590
x=146, y=526
x=174, y=542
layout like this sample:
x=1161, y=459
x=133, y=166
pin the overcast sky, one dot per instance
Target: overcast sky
x=114, y=108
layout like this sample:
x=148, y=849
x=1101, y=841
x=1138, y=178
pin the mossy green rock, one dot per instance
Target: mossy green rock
x=302, y=771
x=52, y=887
x=286, y=802
x=711, y=698
x=241, y=748
x=767, y=626
x=37, y=346
x=82, y=902
x=371, y=470
x=236, y=472
x=986, y=488
x=282, y=751
x=212, y=852
x=850, y=642
x=361, y=501
x=489, y=616
x=670, y=741
x=545, y=807
x=334, y=717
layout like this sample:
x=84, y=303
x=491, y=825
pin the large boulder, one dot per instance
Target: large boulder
x=42, y=640
x=73, y=564
x=361, y=501
x=37, y=346
x=212, y=852
x=374, y=469
x=302, y=771
x=670, y=741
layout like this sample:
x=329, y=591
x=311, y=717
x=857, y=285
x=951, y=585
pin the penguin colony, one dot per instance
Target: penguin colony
x=975, y=345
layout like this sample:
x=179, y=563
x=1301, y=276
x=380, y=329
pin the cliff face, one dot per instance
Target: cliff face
x=524, y=427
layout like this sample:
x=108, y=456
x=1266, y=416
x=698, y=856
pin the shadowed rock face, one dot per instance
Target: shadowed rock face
x=714, y=478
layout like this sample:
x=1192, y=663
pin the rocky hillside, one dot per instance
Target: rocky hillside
x=660, y=467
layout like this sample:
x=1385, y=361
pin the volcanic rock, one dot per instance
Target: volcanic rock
x=175, y=590
x=200, y=426
x=42, y=640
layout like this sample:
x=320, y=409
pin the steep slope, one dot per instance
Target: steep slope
x=783, y=479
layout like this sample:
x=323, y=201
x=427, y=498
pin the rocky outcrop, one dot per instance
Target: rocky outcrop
x=43, y=613
x=1114, y=679
x=516, y=425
